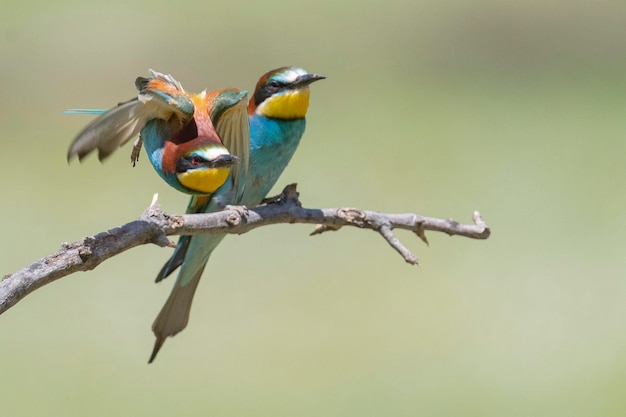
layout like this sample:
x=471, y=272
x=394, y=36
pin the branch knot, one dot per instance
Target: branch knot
x=233, y=219
x=352, y=216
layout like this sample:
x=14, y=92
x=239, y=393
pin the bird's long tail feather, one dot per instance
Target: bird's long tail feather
x=174, y=315
x=176, y=260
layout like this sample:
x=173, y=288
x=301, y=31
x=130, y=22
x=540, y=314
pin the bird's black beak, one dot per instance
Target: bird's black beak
x=307, y=79
x=223, y=161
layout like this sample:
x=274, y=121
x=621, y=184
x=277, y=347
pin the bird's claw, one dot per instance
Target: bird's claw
x=272, y=200
x=289, y=193
x=134, y=155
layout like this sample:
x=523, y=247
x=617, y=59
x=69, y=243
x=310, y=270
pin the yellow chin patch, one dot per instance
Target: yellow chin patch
x=288, y=105
x=204, y=181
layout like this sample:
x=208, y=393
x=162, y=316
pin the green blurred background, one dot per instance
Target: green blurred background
x=517, y=109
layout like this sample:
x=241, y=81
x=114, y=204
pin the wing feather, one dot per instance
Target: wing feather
x=233, y=128
x=160, y=97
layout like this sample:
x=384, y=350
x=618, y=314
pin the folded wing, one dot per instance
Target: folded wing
x=229, y=115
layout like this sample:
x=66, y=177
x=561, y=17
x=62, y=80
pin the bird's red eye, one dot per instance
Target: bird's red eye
x=195, y=160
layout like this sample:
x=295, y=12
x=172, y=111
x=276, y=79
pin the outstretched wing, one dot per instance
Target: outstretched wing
x=229, y=115
x=160, y=97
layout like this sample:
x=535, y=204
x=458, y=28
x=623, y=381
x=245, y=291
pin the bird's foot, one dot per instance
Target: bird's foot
x=288, y=193
x=134, y=155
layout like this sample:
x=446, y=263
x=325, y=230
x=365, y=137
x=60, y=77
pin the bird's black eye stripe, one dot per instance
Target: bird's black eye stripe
x=185, y=163
x=269, y=89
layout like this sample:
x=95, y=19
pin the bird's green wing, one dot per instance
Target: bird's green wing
x=160, y=97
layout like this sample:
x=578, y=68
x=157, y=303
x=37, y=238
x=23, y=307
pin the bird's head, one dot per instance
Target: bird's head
x=282, y=93
x=201, y=168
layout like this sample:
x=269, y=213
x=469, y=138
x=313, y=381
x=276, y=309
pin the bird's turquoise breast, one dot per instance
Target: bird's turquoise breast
x=272, y=144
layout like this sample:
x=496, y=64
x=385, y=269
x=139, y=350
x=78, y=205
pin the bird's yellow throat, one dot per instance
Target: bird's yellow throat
x=289, y=105
x=204, y=181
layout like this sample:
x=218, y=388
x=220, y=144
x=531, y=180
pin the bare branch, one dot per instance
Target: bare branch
x=155, y=225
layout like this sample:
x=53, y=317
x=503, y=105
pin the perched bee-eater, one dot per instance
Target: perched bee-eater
x=194, y=141
x=277, y=113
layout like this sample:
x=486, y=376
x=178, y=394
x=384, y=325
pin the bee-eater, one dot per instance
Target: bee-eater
x=193, y=140
x=277, y=113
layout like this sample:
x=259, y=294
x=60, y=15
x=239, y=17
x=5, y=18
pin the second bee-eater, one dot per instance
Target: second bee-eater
x=277, y=113
x=194, y=141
